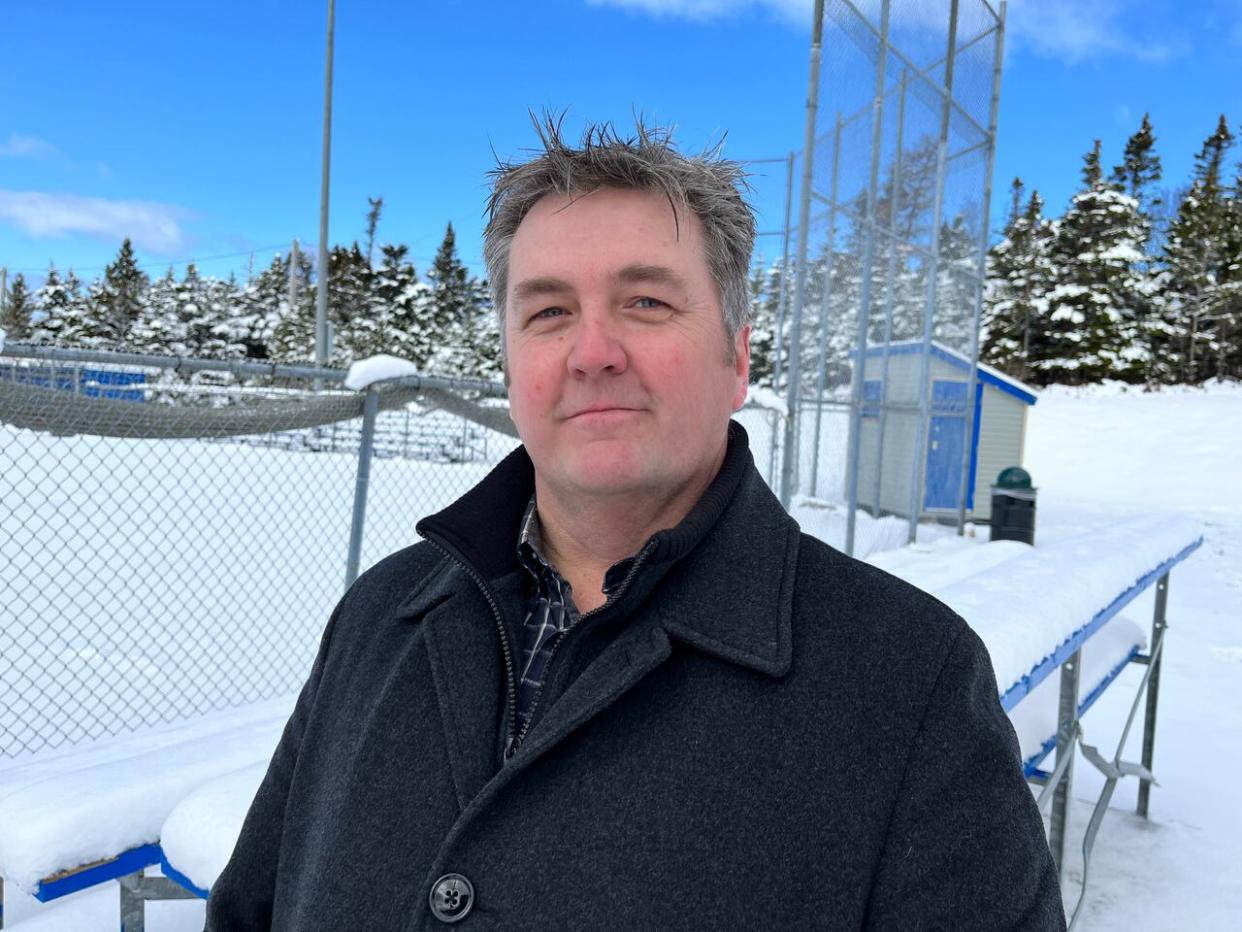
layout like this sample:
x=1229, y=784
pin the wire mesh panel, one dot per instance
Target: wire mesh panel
x=172, y=541
x=898, y=206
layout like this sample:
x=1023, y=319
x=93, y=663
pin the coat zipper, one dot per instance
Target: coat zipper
x=510, y=675
x=515, y=740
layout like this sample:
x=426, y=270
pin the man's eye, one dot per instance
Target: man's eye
x=648, y=303
x=548, y=313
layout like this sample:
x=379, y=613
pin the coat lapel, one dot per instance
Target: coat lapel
x=468, y=673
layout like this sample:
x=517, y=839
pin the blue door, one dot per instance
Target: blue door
x=946, y=445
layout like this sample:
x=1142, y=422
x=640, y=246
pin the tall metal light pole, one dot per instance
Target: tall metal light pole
x=321, y=296
x=789, y=461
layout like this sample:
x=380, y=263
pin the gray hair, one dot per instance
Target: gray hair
x=706, y=185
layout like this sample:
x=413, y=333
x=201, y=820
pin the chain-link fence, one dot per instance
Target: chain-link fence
x=174, y=533
x=893, y=229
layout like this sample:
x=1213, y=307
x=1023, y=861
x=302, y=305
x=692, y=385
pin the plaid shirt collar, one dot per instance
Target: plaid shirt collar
x=530, y=555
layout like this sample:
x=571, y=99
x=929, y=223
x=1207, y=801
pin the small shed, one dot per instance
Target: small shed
x=890, y=410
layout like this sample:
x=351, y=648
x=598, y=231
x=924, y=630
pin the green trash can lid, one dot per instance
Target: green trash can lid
x=1013, y=477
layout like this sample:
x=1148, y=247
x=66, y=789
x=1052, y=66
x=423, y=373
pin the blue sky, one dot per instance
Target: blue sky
x=195, y=127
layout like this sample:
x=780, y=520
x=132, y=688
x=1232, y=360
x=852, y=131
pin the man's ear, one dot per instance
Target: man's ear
x=741, y=366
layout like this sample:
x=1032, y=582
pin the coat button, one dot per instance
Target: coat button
x=452, y=896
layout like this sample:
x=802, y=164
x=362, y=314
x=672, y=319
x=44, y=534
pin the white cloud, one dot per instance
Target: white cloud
x=19, y=147
x=1076, y=31
x=798, y=11
x=1070, y=30
x=152, y=226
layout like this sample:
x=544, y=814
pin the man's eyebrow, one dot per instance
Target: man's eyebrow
x=536, y=287
x=639, y=273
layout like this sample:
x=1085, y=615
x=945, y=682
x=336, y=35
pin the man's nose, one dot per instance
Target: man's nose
x=597, y=346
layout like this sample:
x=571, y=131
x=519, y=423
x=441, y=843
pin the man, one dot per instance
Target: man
x=615, y=687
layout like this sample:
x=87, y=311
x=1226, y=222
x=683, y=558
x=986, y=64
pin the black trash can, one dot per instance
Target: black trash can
x=1013, y=506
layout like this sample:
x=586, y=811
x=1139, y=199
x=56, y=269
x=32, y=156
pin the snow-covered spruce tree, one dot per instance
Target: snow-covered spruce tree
x=1020, y=276
x=1093, y=326
x=116, y=302
x=1198, y=270
x=158, y=330
x=480, y=357
x=957, y=284
x=358, y=330
x=1137, y=175
x=453, y=298
x=226, y=337
x=764, y=297
x=410, y=306
x=63, y=307
x=293, y=336
x=1229, y=315
x=261, y=305
x=18, y=311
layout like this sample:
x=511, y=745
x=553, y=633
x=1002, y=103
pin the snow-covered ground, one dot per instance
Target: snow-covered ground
x=1099, y=457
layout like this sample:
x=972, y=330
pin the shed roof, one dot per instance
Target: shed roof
x=986, y=374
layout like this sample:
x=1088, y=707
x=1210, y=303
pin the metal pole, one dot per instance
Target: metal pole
x=321, y=297
x=4, y=290
x=783, y=299
x=823, y=306
x=919, y=467
x=893, y=242
x=968, y=449
x=1067, y=715
x=790, y=457
x=1158, y=625
x=864, y=309
x=370, y=409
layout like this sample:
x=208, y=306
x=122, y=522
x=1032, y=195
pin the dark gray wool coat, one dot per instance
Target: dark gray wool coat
x=759, y=733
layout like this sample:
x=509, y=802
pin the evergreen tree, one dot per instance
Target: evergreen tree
x=407, y=306
x=1137, y=176
x=158, y=330
x=482, y=334
x=293, y=336
x=350, y=308
x=1020, y=277
x=1140, y=169
x=453, y=297
x=957, y=285
x=1229, y=311
x=1094, y=328
x=18, y=310
x=1193, y=331
x=373, y=216
x=64, y=309
x=116, y=302
x=763, y=298
x=260, y=307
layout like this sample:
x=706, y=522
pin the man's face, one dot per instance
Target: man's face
x=619, y=377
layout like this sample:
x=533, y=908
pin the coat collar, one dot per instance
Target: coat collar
x=722, y=579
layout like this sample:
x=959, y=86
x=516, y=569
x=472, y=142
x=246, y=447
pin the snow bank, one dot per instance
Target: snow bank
x=1174, y=449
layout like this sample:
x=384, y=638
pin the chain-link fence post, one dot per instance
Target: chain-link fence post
x=366, y=446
